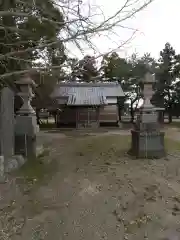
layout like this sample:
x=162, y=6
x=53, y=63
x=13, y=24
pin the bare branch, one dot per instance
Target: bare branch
x=80, y=25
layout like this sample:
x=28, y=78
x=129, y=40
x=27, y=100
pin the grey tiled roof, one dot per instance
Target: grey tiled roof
x=87, y=93
x=84, y=100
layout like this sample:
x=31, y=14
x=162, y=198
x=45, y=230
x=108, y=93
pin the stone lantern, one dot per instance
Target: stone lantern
x=26, y=127
x=26, y=84
x=147, y=139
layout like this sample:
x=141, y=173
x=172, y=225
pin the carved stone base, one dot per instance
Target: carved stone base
x=147, y=144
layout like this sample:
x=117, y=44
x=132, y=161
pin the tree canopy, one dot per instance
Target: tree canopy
x=129, y=72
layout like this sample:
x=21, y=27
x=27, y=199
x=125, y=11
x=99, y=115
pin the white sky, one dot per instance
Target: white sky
x=157, y=24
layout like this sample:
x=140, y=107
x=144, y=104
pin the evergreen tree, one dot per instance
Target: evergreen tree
x=164, y=88
x=85, y=69
x=115, y=67
x=119, y=69
x=34, y=25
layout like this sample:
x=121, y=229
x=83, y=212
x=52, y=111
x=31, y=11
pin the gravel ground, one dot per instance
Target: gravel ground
x=95, y=191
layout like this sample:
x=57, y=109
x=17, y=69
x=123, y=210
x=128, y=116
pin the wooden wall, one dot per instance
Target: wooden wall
x=89, y=115
x=67, y=116
x=109, y=114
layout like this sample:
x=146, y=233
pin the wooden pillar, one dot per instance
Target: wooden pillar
x=58, y=122
x=77, y=116
x=88, y=122
x=98, y=116
x=118, y=112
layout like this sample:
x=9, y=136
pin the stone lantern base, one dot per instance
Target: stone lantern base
x=26, y=129
x=147, y=144
x=147, y=139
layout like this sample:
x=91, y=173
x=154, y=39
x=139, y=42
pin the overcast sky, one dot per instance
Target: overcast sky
x=157, y=24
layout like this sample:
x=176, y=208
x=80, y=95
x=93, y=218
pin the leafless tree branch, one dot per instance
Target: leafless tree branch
x=81, y=23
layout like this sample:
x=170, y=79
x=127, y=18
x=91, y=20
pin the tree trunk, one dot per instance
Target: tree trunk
x=37, y=116
x=120, y=107
x=161, y=117
x=119, y=113
x=132, y=113
x=169, y=115
x=169, y=108
x=54, y=116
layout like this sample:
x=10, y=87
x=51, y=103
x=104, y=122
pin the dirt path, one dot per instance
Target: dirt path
x=95, y=193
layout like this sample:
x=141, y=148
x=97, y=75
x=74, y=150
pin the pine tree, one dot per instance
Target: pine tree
x=165, y=77
x=32, y=26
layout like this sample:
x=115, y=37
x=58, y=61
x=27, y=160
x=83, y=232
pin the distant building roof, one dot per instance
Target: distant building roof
x=87, y=93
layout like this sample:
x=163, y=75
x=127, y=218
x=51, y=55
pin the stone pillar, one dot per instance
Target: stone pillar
x=7, y=123
x=26, y=126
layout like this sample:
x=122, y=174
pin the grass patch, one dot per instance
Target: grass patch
x=108, y=147
x=103, y=146
x=173, y=124
x=37, y=170
x=172, y=145
x=44, y=153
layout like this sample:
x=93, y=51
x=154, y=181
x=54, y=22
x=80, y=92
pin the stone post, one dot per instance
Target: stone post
x=26, y=126
x=7, y=123
x=2, y=171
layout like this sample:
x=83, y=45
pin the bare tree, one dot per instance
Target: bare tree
x=81, y=22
